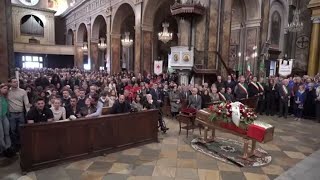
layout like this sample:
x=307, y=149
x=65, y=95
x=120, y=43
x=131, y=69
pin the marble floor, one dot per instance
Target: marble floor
x=174, y=159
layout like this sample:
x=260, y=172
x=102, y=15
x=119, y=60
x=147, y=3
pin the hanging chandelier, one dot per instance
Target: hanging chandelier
x=165, y=36
x=102, y=45
x=85, y=46
x=295, y=25
x=126, y=42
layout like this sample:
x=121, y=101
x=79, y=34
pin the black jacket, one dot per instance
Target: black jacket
x=118, y=108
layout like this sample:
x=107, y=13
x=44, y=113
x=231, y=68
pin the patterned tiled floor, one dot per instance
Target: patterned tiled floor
x=174, y=159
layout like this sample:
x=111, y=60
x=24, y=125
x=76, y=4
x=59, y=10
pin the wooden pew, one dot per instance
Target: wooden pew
x=106, y=110
x=48, y=144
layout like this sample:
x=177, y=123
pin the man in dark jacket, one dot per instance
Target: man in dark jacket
x=120, y=106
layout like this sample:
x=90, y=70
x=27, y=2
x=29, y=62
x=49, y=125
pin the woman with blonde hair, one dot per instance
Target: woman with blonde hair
x=59, y=112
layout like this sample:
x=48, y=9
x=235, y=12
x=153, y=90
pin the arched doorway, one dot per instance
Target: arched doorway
x=99, y=30
x=122, y=53
x=155, y=13
x=70, y=38
x=162, y=15
x=82, y=40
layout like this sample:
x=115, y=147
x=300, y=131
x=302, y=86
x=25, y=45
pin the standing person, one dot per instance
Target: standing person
x=230, y=82
x=299, y=99
x=214, y=94
x=284, y=93
x=194, y=100
x=261, y=100
x=18, y=104
x=5, y=142
x=219, y=83
x=241, y=89
x=271, y=94
x=318, y=104
x=309, y=110
x=253, y=87
x=205, y=98
x=175, y=101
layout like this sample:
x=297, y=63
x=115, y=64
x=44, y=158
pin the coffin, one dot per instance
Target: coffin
x=259, y=131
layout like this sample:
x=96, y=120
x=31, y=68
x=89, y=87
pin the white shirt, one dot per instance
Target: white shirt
x=58, y=114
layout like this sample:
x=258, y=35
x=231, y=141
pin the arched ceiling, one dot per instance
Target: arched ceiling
x=82, y=34
x=244, y=10
x=124, y=10
x=151, y=7
x=99, y=28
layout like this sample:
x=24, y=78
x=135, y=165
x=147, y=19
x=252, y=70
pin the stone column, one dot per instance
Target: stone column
x=115, y=53
x=78, y=55
x=6, y=41
x=147, y=50
x=94, y=55
x=108, y=52
x=89, y=44
x=314, y=47
x=108, y=41
x=75, y=49
x=313, y=64
x=138, y=44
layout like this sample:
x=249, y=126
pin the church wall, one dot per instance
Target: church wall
x=301, y=51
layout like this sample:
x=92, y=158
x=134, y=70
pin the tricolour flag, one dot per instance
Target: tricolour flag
x=248, y=69
x=158, y=67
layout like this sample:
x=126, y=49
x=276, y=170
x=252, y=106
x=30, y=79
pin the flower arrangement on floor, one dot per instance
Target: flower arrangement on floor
x=237, y=113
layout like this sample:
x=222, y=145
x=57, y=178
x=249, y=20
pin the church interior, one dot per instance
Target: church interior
x=176, y=51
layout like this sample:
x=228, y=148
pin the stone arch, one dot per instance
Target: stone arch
x=99, y=28
x=82, y=33
x=238, y=12
x=279, y=7
x=149, y=10
x=253, y=9
x=121, y=13
x=70, y=37
x=123, y=21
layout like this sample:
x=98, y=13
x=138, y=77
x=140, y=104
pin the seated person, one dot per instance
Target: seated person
x=103, y=99
x=97, y=104
x=120, y=106
x=195, y=100
x=136, y=104
x=151, y=104
x=73, y=108
x=229, y=96
x=65, y=97
x=87, y=109
x=82, y=98
x=39, y=113
x=59, y=112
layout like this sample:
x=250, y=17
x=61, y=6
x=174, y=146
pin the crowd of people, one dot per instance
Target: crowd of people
x=46, y=95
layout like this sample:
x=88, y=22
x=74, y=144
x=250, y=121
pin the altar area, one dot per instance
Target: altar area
x=174, y=158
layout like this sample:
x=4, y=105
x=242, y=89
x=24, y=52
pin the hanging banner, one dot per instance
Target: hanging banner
x=285, y=67
x=158, y=67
